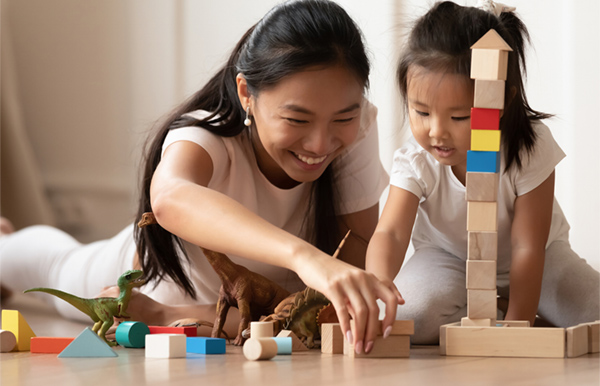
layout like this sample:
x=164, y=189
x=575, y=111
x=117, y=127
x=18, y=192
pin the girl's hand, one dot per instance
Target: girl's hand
x=141, y=308
x=354, y=293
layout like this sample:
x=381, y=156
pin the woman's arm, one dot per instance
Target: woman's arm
x=529, y=234
x=390, y=241
x=183, y=205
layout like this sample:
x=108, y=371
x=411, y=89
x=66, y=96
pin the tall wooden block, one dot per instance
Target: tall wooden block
x=481, y=275
x=483, y=246
x=394, y=346
x=594, y=336
x=485, y=119
x=14, y=322
x=482, y=304
x=489, y=94
x=485, y=140
x=332, y=338
x=49, y=345
x=577, y=341
x=483, y=161
x=489, y=64
x=482, y=216
x=482, y=186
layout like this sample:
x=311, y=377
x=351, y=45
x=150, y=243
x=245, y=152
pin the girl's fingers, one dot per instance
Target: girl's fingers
x=391, y=297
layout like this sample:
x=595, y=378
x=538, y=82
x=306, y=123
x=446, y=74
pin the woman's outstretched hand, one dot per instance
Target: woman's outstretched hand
x=354, y=293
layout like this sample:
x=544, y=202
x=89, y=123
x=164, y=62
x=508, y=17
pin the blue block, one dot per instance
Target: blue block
x=483, y=161
x=132, y=334
x=284, y=345
x=202, y=345
x=87, y=344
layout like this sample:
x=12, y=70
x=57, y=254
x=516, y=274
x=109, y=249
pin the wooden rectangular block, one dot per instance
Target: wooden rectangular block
x=483, y=246
x=482, y=216
x=332, y=338
x=481, y=274
x=394, y=346
x=485, y=119
x=204, y=345
x=399, y=327
x=485, y=140
x=483, y=161
x=513, y=323
x=188, y=331
x=577, y=341
x=482, y=304
x=489, y=64
x=49, y=345
x=468, y=322
x=593, y=337
x=482, y=186
x=166, y=346
x=489, y=94
x=505, y=341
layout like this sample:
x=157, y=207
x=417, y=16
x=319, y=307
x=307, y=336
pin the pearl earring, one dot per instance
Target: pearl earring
x=247, y=121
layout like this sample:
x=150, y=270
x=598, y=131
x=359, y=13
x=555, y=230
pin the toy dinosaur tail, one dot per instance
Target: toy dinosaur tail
x=77, y=302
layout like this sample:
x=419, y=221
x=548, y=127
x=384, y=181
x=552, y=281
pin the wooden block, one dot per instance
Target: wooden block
x=332, y=338
x=489, y=64
x=489, y=94
x=483, y=246
x=187, y=331
x=87, y=345
x=203, y=345
x=394, y=346
x=166, y=345
x=513, y=323
x=505, y=342
x=485, y=119
x=482, y=216
x=577, y=341
x=14, y=322
x=481, y=274
x=8, y=341
x=261, y=329
x=399, y=327
x=297, y=344
x=132, y=334
x=491, y=40
x=482, y=304
x=284, y=345
x=260, y=349
x=482, y=186
x=593, y=337
x=49, y=345
x=483, y=161
x=485, y=140
x=468, y=322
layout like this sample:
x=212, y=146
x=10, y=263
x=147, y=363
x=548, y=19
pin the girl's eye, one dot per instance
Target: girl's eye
x=461, y=118
x=296, y=121
x=422, y=113
x=345, y=120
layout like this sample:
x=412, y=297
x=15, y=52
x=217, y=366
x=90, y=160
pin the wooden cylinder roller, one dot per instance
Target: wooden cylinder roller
x=260, y=348
x=8, y=341
x=261, y=329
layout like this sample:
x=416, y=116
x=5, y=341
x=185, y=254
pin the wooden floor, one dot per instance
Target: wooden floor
x=424, y=367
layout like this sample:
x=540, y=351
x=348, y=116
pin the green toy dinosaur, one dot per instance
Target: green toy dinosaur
x=102, y=310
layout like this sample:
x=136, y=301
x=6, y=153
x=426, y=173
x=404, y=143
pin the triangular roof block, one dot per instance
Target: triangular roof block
x=491, y=41
x=14, y=322
x=87, y=345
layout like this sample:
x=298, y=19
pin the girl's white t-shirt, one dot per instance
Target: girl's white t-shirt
x=442, y=215
x=359, y=173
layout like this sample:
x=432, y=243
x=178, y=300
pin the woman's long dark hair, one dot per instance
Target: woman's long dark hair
x=291, y=37
x=441, y=40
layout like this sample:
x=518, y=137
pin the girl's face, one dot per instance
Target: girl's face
x=439, y=106
x=303, y=123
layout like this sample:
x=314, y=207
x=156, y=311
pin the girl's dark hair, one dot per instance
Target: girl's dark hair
x=441, y=40
x=290, y=38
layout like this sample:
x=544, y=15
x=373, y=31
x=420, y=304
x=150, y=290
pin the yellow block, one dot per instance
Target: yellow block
x=485, y=140
x=14, y=322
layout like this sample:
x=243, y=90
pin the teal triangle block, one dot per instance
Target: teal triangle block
x=87, y=345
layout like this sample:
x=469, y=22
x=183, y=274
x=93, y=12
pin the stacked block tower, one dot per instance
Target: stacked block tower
x=488, y=67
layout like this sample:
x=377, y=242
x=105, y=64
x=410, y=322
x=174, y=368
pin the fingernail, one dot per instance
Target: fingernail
x=349, y=336
x=358, y=347
x=369, y=347
x=387, y=332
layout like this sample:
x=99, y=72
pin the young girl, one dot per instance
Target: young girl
x=270, y=163
x=536, y=270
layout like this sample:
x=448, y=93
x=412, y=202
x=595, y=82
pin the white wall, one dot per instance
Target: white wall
x=94, y=76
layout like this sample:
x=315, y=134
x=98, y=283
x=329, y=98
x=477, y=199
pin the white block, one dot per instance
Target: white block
x=166, y=346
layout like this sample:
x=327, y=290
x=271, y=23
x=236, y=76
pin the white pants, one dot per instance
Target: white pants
x=43, y=256
x=432, y=282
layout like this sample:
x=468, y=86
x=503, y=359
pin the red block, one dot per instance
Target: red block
x=47, y=345
x=190, y=331
x=485, y=119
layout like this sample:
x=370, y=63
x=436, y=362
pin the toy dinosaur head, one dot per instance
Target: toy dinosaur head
x=131, y=279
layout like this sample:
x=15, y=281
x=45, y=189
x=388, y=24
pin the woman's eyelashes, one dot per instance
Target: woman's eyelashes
x=302, y=121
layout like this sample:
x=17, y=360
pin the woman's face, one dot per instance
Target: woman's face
x=303, y=123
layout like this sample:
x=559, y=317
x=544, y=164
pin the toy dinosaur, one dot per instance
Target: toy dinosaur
x=102, y=310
